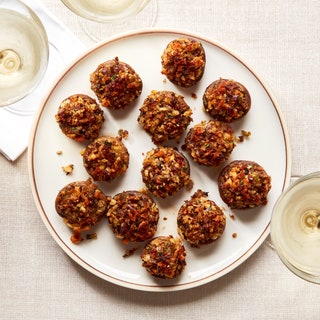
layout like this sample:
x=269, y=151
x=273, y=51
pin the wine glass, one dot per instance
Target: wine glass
x=24, y=51
x=295, y=227
x=101, y=18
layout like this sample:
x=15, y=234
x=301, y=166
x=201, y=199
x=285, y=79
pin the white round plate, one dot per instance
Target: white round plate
x=245, y=231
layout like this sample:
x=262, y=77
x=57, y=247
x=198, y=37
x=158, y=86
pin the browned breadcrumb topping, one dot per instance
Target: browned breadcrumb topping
x=80, y=117
x=232, y=216
x=210, y=143
x=106, y=158
x=81, y=204
x=244, y=135
x=116, y=84
x=189, y=185
x=68, y=169
x=164, y=115
x=183, y=61
x=200, y=220
x=92, y=236
x=226, y=100
x=130, y=252
x=165, y=171
x=194, y=95
x=133, y=216
x=124, y=134
x=164, y=257
x=244, y=184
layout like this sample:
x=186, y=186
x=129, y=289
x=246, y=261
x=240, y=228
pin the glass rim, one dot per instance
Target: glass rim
x=81, y=11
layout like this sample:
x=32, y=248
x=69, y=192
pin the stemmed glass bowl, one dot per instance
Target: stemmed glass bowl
x=106, y=11
x=295, y=227
x=24, y=51
x=100, y=19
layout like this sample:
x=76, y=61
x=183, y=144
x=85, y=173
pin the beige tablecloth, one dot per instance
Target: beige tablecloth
x=278, y=39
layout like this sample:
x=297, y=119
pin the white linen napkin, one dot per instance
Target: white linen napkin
x=16, y=120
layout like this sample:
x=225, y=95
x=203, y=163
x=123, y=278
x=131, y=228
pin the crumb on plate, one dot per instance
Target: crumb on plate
x=68, y=169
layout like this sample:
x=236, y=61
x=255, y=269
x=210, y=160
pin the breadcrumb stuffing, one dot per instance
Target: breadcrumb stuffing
x=200, y=221
x=183, y=61
x=165, y=171
x=68, y=169
x=164, y=257
x=244, y=184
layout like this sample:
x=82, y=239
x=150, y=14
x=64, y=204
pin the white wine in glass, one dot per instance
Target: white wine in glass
x=102, y=18
x=105, y=10
x=295, y=227
x=24, y=51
